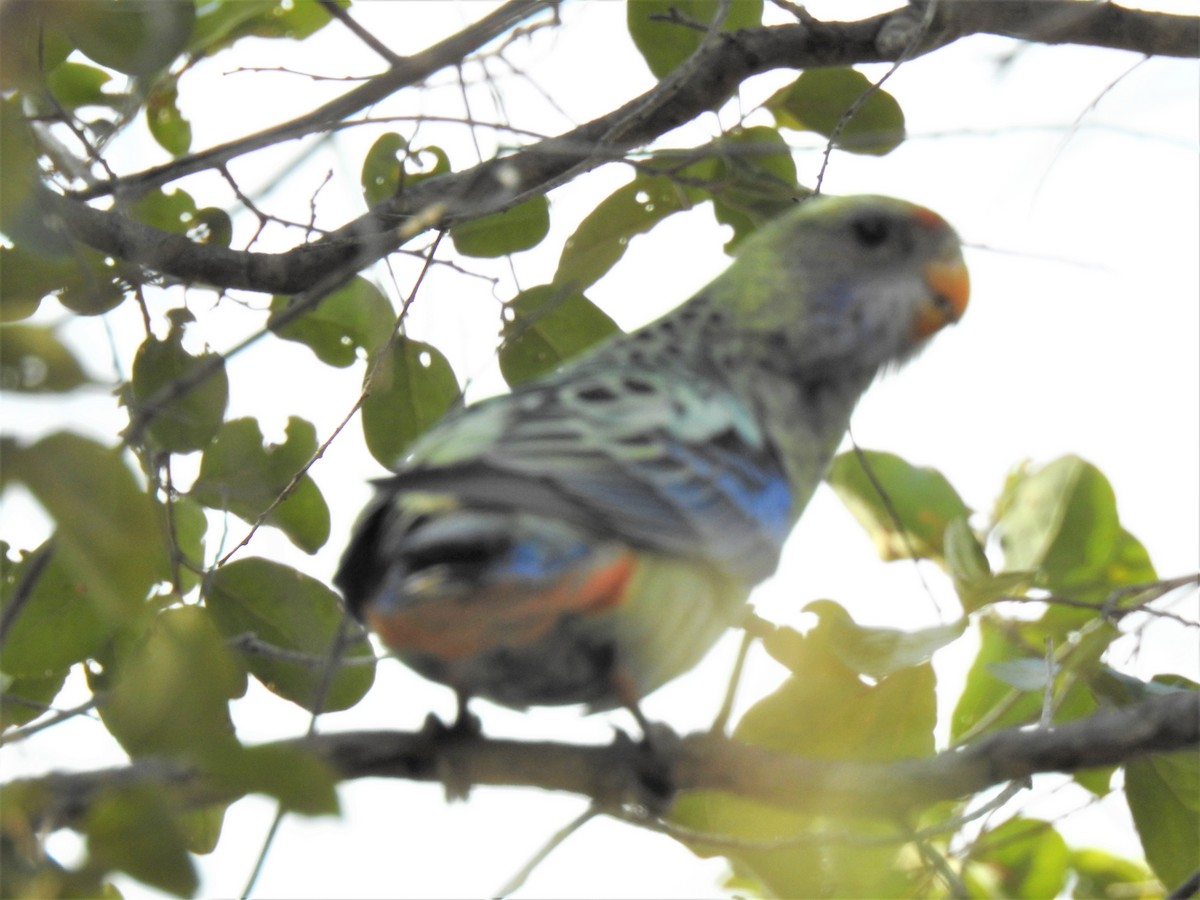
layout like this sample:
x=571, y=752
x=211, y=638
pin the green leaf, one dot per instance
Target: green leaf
x=353, y=317
x=173, y=211
x=751, y=178
x=910, y=518
x=876, y=652
x=516, y=228
x=27, y=697
x=987, y=702
x=1098, y=873
x=893, y=718
x=222, y=23
x=665, y=32
x=411, y=387
x=1028, y=856
x=603, y=236
x=391, y=165
x=84, y=281
x=75, y=84
x=167, y=124
x=1060, y=521
x=58, y=623
x=545, y=326
x=294, y=613
x=972, y=573
x=188, y=422
x=299, y=780
x=136, y=37
x=22, y=219
x=239, y=474
x=807, y=717
x=170, y=692
x=202, y=827
x=211, y=226
x=820, y=98
x=1164, y=797
x=30, y=46
x=135, y=831
x=33, y=360
x=111, y=536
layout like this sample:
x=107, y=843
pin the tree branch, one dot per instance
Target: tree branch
x=404, y=72
x=615, y=775
x=709, y=78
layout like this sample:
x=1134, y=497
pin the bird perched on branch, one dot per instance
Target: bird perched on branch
x=589, y=536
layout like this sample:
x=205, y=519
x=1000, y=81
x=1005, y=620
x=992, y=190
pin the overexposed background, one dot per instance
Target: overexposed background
x=1070, y=172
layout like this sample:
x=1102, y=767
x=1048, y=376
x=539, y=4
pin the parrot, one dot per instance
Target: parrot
x=589, y=536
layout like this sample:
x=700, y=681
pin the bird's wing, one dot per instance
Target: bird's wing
x=652, y=458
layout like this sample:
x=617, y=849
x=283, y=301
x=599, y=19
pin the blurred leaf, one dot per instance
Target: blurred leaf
x=987, y=702
x=33, y=360
x=516, y=228
x=972, y=573
x=412, y=387
x=75, y=84
x=807, y=717
x=211, y=226
x=202, y=827
x=1163, y=791
x=893, y=718
x=30, y=46
x=354, y=316
x=1060, y=521
x=544, y=327
x=25, y=279
x=391, y=165
x=59, y=623
x=751, y=178
x=299, y=780
x=111, y=537
x=223, y=22
x=292, y=612
x=173, y=211
x=1026, y=674
x=170, y=692
x=167, y=125
x=604, y=234
x=188, y=422
x=22, y=219
x=239, y=474
x=876, y=652
x=1028, y=855
x=819, y=98
x=921, y=499
x=85, y=281
x=664, y=30
x=133, y=830
x=1099, y=873
x=136, y=37
x=27, y=697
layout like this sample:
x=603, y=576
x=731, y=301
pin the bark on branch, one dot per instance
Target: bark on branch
x=703, y=83
x=622, y=773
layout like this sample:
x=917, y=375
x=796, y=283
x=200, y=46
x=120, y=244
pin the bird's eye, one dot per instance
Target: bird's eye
x=871, y=231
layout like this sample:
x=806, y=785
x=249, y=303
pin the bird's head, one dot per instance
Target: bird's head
x=865, y=281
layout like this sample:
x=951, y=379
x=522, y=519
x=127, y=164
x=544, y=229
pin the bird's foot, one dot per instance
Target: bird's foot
x=446, y=742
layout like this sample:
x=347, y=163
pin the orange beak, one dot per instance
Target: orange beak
x=950, y=287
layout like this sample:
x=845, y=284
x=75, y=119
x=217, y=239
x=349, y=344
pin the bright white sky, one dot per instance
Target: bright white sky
x=1072, y=175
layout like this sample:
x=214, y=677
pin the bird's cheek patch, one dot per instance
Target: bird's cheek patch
x=951, y=287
